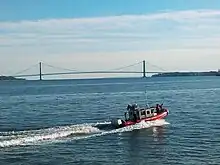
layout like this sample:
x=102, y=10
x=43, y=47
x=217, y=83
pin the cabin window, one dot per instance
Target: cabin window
x=143, y=113
x=148, y=112
x=152, y=110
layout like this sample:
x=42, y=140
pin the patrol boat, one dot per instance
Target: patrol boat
x=135, y=115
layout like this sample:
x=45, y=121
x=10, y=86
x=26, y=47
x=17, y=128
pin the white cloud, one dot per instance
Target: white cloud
x=179, y=38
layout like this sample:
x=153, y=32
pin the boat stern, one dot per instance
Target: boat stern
x=117, y=123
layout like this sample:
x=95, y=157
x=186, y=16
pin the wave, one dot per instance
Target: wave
x=66, y=133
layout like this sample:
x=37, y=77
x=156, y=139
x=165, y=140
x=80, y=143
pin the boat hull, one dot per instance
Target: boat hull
x=156, y=117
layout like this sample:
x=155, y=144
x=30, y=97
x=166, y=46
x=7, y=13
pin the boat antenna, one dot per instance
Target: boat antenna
x=146, y=99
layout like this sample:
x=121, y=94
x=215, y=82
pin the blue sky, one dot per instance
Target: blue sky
x=179, y=35
x=41, y=9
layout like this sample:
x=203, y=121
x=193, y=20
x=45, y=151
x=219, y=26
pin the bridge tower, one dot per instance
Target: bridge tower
x=144, y=69
x=40, y=67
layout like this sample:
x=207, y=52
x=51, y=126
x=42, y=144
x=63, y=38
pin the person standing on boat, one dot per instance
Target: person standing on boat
x=161, y=107
x=135, y=117
x=157, y=108
x=128, y=107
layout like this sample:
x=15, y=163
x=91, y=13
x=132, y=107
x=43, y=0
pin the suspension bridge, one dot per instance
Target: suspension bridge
x=63, y=71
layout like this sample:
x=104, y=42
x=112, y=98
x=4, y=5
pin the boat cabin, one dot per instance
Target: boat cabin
x=135, y=113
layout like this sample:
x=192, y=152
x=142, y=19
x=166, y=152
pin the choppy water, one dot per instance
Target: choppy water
x=67, y=122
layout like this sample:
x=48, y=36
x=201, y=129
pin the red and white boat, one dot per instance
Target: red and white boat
x=136, y=115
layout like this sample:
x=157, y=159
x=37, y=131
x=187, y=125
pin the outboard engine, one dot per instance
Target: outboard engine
x=117, y=123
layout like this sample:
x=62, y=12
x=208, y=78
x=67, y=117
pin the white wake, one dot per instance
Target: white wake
x=65, y=133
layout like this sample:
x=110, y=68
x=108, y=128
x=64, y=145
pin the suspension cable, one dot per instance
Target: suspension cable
x=126, y=66
x=156, y=66
x=60, y=68
x=25, y=69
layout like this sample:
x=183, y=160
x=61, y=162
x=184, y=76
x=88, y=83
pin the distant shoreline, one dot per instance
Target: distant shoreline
x=180, y=74
x=10, y=78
